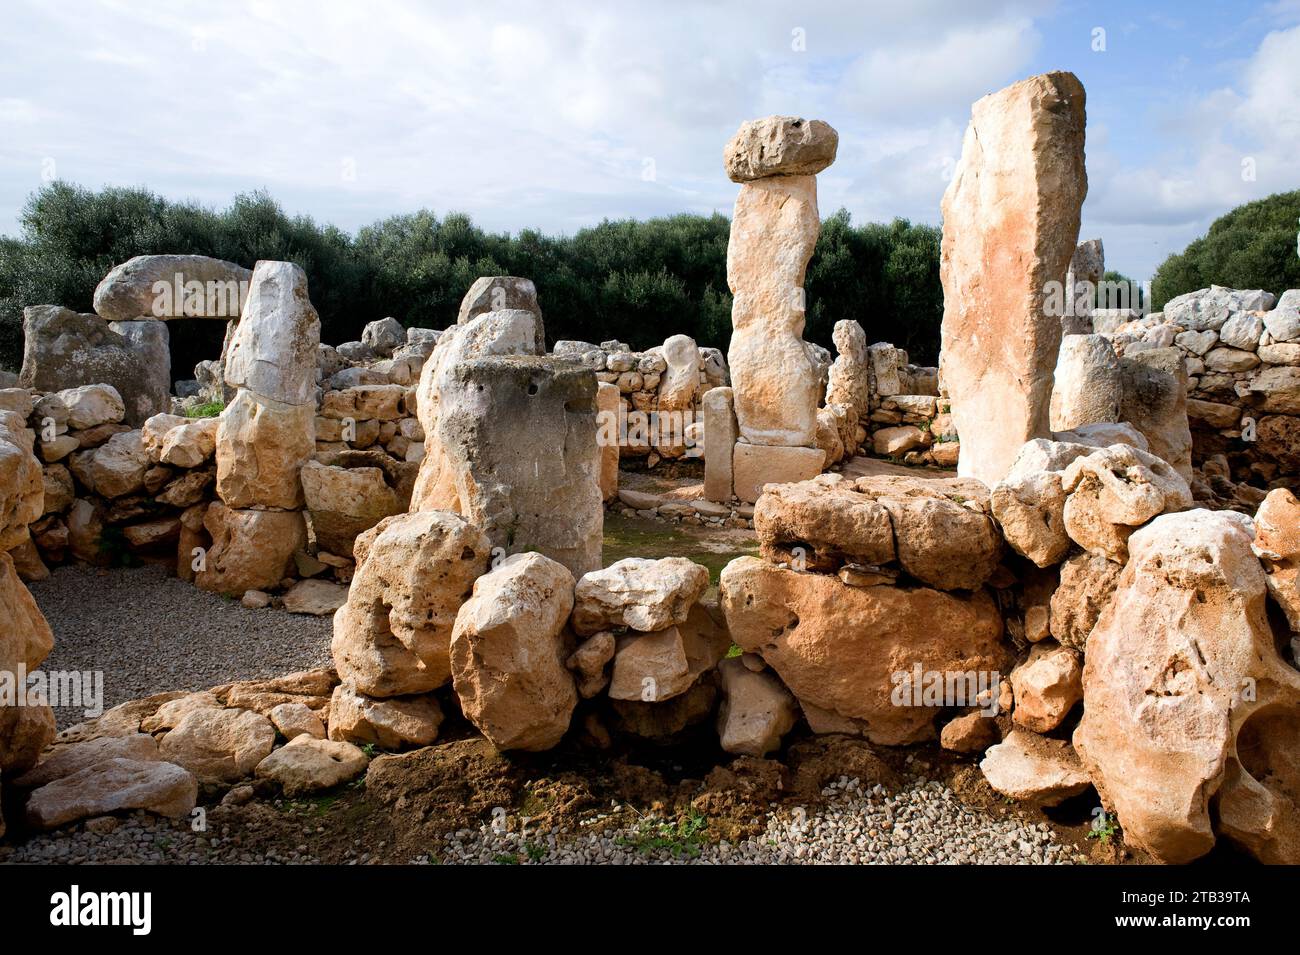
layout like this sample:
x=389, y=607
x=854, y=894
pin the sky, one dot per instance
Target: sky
x=557, y=115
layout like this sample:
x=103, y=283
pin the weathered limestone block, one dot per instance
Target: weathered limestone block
x=1011, y=219
x=496, y=293
x=720, y=433
x=261, y=445
x=638, y=593
x=1087, y=582
x=1277, y=544
x=1087, y=386
x=63, y=349
x=111, y=786
x=755, y=466
x=848, y=382
x=1029, y=502
x=251, y=549
x=172, y=286
x=414, y=571
x=843, y=649
x=389, y=724
x=940, y=531
x=1113, y=491
x=1155, y=402
x=1087, y=267
x=306, y=765
x=219, y=745
x=1186, y=701
x=342, y=502
x=1034, y=769
x=779, y=146
x=508, y=650
x=275, y=344
x=191, y=444
x=756, y=710
x=1047, y=685
x=773, y=372
x=115, y=468
x=607, y=408
x=514, y=450
x=22, y=482
x=25, y=641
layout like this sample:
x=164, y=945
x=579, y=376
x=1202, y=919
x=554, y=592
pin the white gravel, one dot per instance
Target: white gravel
x=148, y=632
x=924, y=823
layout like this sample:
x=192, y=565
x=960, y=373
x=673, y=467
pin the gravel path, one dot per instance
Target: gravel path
x=149, y=632
x=924, y=823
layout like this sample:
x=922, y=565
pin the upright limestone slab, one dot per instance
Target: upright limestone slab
x=516, y=454
x=775, y=378
x=1011, y=220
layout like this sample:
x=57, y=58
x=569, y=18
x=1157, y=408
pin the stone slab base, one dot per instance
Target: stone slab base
x=757, y=464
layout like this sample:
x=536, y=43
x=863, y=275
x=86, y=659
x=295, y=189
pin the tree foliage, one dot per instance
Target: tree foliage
x=1253, y=246
x=636, y=281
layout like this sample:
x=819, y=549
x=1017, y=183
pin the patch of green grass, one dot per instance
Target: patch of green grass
x=506, y=858
x=535, y=851
x=684, y=838
x=735, y=650
x=209, y=409
x=638, y=537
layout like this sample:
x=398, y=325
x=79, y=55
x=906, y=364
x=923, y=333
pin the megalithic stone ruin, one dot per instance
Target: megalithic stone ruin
x=774, y=375
x=1010, y=224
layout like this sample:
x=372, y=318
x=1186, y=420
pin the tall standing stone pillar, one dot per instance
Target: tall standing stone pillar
x=774, y=375
x=1010, y=223
x=265, y=434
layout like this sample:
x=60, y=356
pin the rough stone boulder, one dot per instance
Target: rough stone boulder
x=67, y=759
x=115, y=468
x=22, y=482
x=1190, y=715
x=939, y=530
x=495, y=293
x=261, y=445
x=389, y=724
x=1209, y=309
x=638, y=593
x=251, y=550
x=844, y=649
x=1086, y=584
x=344, y=502
x=25, y=641
x=508, y=650
x=275, y=344
x=513, y=448
x=1114, y=490
x=1087, y=387
x=1011, y=221
x=414, y=571
x=219, y=745
x=1029, y=502
x=1155, y=402
x=63, y=349
x=779, y=146
x=89, y=406
x=756, y=710
x=1034, y=769
x=113, y=785
x=190, y=444
x=306, y=765
x=1277, y=545
x=131, y=290
x=1047, y=685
